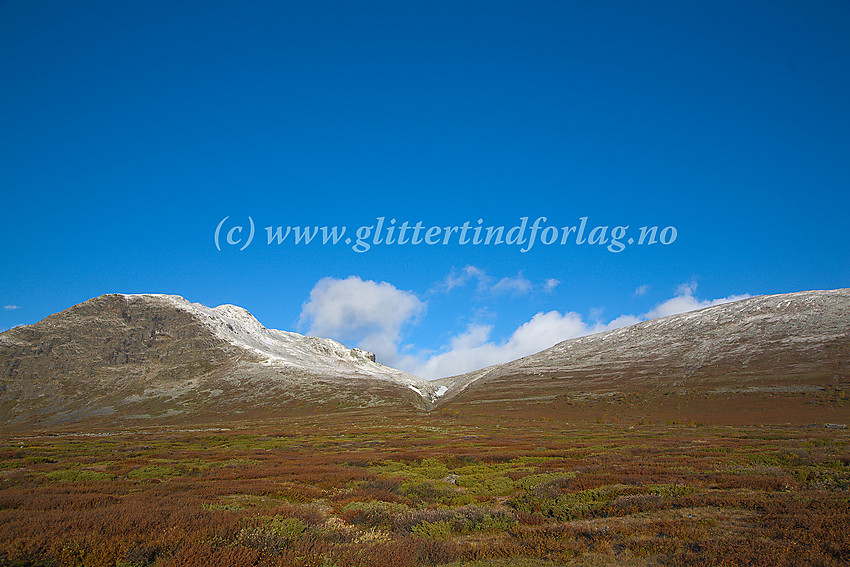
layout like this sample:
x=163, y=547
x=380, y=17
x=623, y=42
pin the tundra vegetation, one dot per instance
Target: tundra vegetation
x=437, y=489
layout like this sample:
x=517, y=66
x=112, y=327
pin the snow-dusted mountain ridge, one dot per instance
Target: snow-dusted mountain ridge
x=147, y=356
x=789, y=342
x=143, y=356
x=283, y=349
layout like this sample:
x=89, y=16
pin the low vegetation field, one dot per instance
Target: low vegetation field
x=398, y=491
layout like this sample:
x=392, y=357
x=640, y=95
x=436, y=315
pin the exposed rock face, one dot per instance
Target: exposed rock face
x=153, y=356
x=111, y=332
x=781, y=345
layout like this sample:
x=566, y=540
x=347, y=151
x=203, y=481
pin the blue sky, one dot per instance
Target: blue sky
x=132, y=129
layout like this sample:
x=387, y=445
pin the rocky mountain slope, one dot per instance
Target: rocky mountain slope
x=144, y=356
x=785, y=354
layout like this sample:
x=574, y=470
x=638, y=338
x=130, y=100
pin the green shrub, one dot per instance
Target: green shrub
x=287, y=529
x=429, y=492
x=671, y=490
x=534, y=480
x=457, y=520
x=435, y=530
x=565, y=507
x=488, y=485
x=151, y=472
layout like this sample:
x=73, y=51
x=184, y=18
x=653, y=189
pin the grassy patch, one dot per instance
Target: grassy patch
x=153, y=472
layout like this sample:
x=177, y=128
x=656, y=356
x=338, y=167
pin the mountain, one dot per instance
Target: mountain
x=770, y=358
x=136, y=357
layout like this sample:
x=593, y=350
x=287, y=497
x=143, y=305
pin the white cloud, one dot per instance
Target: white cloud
x=484, y=283
x=546, y=329
x=369, y=313
x=516, y=285
x=641, y=290
x=473, y=349
x=458, y=278
x=373, y=315
x=10, y=307
x=684, y=301
x=618, y=323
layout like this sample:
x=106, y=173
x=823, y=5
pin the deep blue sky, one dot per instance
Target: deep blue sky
x=130, y=129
